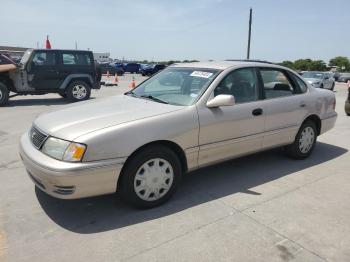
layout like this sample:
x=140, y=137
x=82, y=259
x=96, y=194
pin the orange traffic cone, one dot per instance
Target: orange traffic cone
x=107, y=74
x=133, y=84
x=116, y=80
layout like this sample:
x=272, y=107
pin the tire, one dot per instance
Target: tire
x=321, y=86
x=4, y=94
x=304, y=142
x=139, y=188
x=78, y=91
x=332, y=88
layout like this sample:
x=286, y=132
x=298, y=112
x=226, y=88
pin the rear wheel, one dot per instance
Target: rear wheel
x=78, y=91
x=4, y=94
x=332, y=88
x=304, y=142
x=151, y=177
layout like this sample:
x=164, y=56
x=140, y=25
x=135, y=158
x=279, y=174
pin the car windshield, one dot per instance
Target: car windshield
x=176, y=86
x=313, y=75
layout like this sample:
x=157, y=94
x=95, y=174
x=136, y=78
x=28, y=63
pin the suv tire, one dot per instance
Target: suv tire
x=304, y=142
x=78, y=91
x=151, y=177
x=4, y=94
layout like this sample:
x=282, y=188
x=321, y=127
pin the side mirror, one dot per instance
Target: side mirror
x=221, y=100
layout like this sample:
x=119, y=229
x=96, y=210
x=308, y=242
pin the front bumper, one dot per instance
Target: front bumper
x=69, y=180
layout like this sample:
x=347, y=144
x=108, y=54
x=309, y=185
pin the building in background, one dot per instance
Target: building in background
x=102, y=57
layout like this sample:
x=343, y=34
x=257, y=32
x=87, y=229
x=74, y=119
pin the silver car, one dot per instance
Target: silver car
x=186, y=117
x=320, y=79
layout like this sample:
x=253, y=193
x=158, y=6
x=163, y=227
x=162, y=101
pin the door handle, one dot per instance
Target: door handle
x=257, y=112
x=302, y=105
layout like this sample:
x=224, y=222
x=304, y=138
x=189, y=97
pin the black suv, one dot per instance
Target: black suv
x=70, y=73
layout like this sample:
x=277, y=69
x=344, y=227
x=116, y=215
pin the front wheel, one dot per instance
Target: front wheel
x=151, y=177
x=4, y=94
x=78, y=91
x=304, y=142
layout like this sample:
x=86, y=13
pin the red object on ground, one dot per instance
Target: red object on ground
x=48, y=44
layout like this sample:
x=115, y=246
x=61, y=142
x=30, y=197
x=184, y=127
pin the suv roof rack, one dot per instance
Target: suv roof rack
x=250, y=60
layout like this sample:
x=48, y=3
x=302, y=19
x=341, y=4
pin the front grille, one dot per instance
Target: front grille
x=37, y=137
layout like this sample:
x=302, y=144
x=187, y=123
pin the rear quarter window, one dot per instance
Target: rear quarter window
x=76, y=59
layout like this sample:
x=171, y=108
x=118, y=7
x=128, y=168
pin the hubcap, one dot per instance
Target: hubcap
x=306, y=140
x=153, y=179
x=79, y=91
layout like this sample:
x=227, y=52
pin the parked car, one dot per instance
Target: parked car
x=347, y=103
x=344, y=77
x=131, y=68
x=186, y=117
x=151, y=69
x=111, y=68
x=320, y=79
x=70, y=73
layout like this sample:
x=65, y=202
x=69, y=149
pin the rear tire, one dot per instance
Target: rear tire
x=4, y=94
x=332, y=88
x=304, y=142
x=150, y=177
x=78, y=91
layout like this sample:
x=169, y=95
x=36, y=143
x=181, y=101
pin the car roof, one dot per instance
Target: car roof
x=222, y=65
x=65, y=50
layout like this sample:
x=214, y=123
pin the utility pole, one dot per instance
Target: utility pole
x=250, y=32
x=76, y=45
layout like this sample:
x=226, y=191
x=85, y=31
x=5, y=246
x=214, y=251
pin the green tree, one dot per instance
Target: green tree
x=318, y=65
x=303, y=64
x=341, y=62
x=288, y=64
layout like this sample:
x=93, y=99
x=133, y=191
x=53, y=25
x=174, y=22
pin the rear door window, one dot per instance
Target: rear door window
x=277, y=84
x=69, y=59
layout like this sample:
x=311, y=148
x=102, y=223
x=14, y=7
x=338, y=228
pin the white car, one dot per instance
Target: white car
x=186, y=117
x=320, y=79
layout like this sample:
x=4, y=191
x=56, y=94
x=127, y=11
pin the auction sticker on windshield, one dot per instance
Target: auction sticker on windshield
x=201, y=74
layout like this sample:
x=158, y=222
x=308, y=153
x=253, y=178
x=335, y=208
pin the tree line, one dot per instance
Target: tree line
x=341, y=62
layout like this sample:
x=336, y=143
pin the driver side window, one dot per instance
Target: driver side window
x=44, y=59
x=241, y=83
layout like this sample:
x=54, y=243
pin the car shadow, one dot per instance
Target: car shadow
x=104, y=213
x=39, y=102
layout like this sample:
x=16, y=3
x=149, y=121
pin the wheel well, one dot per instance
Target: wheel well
x=84, y=79
x=316, y=120
x=169, y=144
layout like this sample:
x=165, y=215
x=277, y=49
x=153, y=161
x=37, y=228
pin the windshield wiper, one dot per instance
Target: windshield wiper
x=154, y=99
x=130, y=93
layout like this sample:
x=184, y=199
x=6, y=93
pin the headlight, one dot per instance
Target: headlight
x=63, y=150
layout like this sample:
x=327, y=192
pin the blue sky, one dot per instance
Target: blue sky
x=193, y=29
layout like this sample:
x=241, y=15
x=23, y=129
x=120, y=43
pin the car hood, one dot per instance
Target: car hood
x=81, y=118
x=313, y=80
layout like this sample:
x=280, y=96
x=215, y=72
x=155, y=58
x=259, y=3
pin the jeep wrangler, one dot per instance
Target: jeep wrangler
x=69, y=73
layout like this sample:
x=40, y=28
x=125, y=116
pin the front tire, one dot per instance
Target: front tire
x=78, y=91
x=4, y=94
x=304, y=142
x=150, y=177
